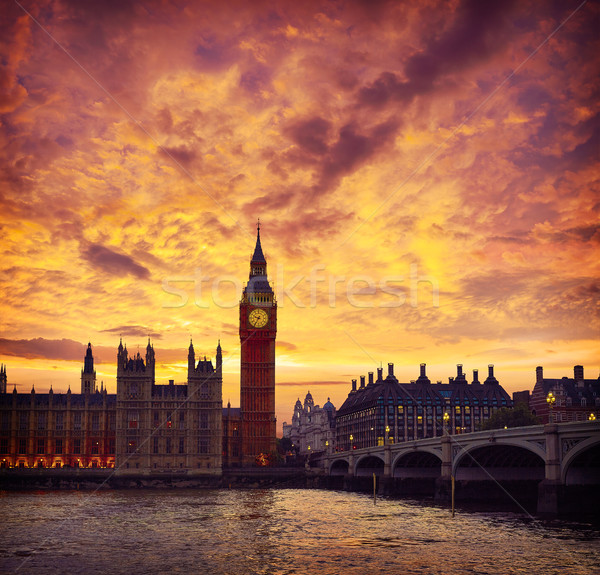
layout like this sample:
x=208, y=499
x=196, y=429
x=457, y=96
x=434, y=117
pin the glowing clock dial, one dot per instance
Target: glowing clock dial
x=258, y=318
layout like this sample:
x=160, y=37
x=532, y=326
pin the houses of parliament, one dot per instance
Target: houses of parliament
x=148, y=427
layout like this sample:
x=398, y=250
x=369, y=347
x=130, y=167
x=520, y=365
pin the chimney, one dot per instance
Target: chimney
x=423, y=370
x=390, y=369
x=370, y=377
x=459, y=370
x=362, y=381
x=475, y=376
x=353, y=385
x=578, y=373
x=490, y=378
x=379, y=373
x=539, y=374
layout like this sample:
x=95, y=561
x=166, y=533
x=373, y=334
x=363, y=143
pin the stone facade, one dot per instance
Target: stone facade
x=168, y=427
x=313, y=428
x=144, y=427
x=58, y=429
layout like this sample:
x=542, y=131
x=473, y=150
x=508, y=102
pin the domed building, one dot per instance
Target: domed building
x=313, y=428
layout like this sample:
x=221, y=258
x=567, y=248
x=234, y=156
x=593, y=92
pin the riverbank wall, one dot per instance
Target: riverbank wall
x=95, y=479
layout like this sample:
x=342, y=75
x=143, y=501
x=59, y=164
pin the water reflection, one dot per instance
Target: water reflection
x=276, y=532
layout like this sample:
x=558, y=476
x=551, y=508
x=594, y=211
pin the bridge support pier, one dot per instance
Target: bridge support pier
x=387, y=462
x=550, y=494
x=349, y=477
x=550, y=490
x=443, y=484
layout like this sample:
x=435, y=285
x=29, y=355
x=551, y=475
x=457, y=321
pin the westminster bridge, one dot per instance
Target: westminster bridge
x=557, y=464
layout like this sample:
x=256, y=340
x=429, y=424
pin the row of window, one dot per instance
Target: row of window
x=169, y=446
x=41, y=420
x=176, y=419
x=561, y=402
x=57, y=447
x=419, y=409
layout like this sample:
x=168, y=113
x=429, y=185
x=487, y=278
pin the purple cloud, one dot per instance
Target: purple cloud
x=114, y=263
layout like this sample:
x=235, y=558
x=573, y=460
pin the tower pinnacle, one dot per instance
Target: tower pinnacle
x=258, y=256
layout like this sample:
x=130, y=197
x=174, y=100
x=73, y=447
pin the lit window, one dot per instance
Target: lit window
x=133, y=419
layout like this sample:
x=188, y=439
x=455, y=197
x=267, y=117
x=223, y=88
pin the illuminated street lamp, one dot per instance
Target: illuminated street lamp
x=351, y=440
x=551, y=400
x=446, y=418
x=592, y=417
x=387, y=433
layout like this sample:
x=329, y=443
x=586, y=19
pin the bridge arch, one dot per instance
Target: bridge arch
x=369, y=464
x=417, y=463
x=339, y=467
x=500, y=460
x=581, y=464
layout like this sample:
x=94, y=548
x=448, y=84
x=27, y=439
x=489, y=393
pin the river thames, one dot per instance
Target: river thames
x=277, y=531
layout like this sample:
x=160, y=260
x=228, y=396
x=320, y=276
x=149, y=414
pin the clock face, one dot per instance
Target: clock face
x=258, y=318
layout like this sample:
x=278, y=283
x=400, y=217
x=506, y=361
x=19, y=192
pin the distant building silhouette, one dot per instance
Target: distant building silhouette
x=3, y=381
x=88, y=373
x=313, y=428
x=523, y=397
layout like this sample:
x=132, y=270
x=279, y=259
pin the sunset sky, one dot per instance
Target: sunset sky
x=425, y=174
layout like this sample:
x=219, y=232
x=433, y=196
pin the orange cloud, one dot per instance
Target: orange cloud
x=368, y=138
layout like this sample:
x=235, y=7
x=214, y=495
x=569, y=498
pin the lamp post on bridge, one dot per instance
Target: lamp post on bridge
x=551, y=400
x=446, y=418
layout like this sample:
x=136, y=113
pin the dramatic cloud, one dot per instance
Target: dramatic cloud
x=114, y=263
x=133, y=331
x=65, y=349
x=425, y=174
x=477, y=32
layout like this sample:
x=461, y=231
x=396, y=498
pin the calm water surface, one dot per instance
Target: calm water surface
x=277, y=532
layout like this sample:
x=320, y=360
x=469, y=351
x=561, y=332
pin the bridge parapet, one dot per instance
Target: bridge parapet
x=556, y=444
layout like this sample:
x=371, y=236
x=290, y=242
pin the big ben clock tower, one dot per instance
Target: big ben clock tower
x=258, y=328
